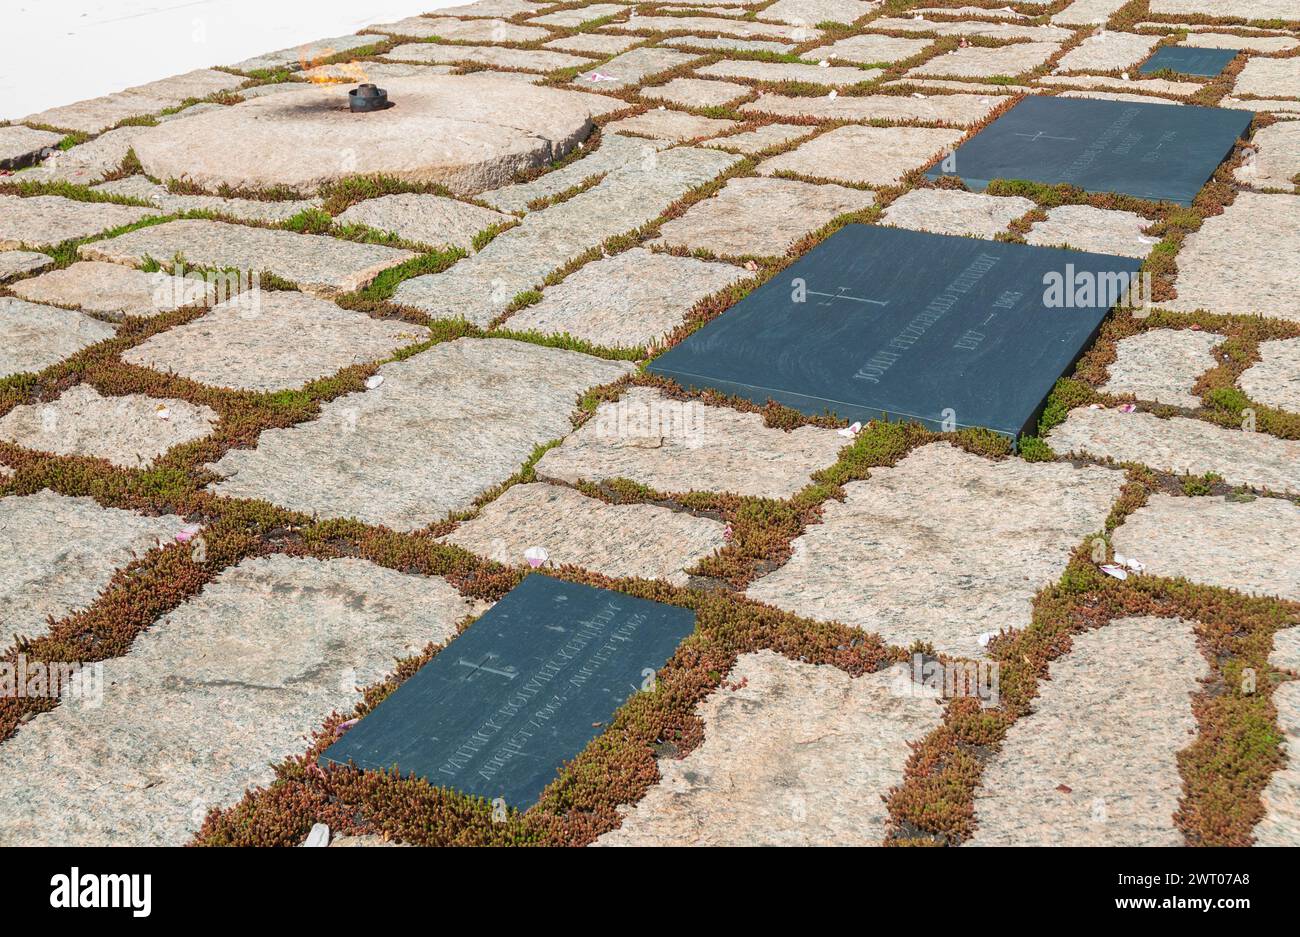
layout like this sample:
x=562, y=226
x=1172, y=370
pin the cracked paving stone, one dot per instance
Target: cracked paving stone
x=832, y=76
x=314, y=262
x=1106, y=52
x=98, y=114
x=211, y=696
x=1181, y=446
x=52, y=219
x=697, y=92
x=481, y=287
x=1276, y=162
x=615, y=151
x=1162, y=365
x=246, y=209
x=17, y=263
x=1275, y=380
x=21, y=145
x=986, y=61
x=1238, y=545
x=254, y=342
x=425, y=219
x=1108, y=725
x=796, y=755
x=631, y=68
x=113, y=290
x=674, y=126
x=1100, y=230
x=628, y=300
x=949, y=211
x=760, y=217
x=681, y=446
x=534, y=60
x=33, y=337
x=870, y=50
x=306, y=55
x=1281, y=823
x=131, y=431
x=615, y=540
x=875, y=156
x=958, y=110
x=744, y=29
x=446, y=425
x=762, y=138
x=58, y=553
x=956, y=545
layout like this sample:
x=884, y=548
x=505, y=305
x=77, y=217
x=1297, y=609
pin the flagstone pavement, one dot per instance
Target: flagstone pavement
x=337, y=387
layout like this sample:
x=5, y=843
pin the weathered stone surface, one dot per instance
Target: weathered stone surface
x=1141, y=85
x=1216, y=542
x=1100, y=230
x=426, y=219
x=760, y=217
x=876, y=156
x=957, y=546
x=271, y=211
x=615, y=151
x=1235, y=9
x=677, y=447
x=632, y=540
x=21, y=145
x=870, y=50
x=1107, y=51
x=812, y=12
x=1233, y=41
x=502, y=8
x=1162, y=365
x=988, y=61
x=316, y=263
x=445, y=426
x=16, y=263
x=834, y=76
x=592, y=44
x=955, y=110
x=211, y=696
x=1240, y=261
x=765, y=137
x=576, y=17
x=1182, y=446
x=1281, y=823
x=131, y=431
x=306, y=55
x=676, y=126
x=1107, y=726
x=947, y=84
x=52, y=219
x=457, y=30
x=1286, y=108
x=974, y=28
x=631, y=299
x=1276, y=162
x=1088, y=12
x=794, y=754
x=352, y=73
x=58, y=553
x=529, y=60
x=481, y=287
x=696, y=92
x=33, y=337
x=488, y=130
x=113, y=290
x=949, y=211
x=727, y=44
x=744, y=29
x=1118, y=96
x=632, y=68
x=254, y=341
x=1275, y=380
x=97, y=114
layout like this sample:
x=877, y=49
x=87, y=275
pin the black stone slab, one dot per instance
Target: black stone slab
x=520, y=692
x=1161, y=152
x=905, y=325
x=1186, y=60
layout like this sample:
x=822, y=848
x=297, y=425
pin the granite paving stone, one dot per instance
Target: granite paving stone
x=59, y=553
x=743, y=29
x=21, y=145
x=615, y=151
x=481, y=287
x=875, y=156
x=627, y=300
x=534, y=60
x=213, y=695
x=130, y=431
x=957, y=110
x=271, y=211
x=759, y=217
x=697, y=92
x=1162, y=365
x=89, y=162
x=474, y=30
x=728, y=44
x=794, y=754
x=615, y=540
x=1095, y=762
x=1141, y=85
x=53, y=219
x=1276, y=163
x=1199, y=40
x=17, y=263
x=958, y=545
x=386, y=456
x=664, y=123
x=593, y=44
x=949, y=211
x=1106, y=52
x=306, y=55
x=832, y=76
x=576, y=17
x=253, y=341
x=1181, y=446
x=870, y=49
x=631, y=68
x=1281, y=823
x=316, y=263
x=114, y=291
x=761, y=138
x=1235, y=9
x=98, y=114
x=812, y=12
x=1085, y=228
x=1216, y=542
x=33, y=336
x=1087, y=12
x=676, y=447
x=988, y=61
x=973, y=28
x=425, y=219
x=1275, y=379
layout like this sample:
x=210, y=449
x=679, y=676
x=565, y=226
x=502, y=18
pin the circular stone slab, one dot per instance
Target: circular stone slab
x=468, y=132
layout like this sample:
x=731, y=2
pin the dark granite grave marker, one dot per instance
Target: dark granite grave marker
x=1161, y=152
x=1186, y=60
x=951, y=332
x=520, y=692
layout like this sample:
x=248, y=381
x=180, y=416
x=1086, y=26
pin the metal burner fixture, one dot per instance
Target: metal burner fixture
x=367, y=97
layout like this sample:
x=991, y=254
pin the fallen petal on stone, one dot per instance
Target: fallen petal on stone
x=1117, y=572
x=536, y=556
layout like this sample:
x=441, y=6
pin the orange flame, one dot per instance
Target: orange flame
x=341, y=73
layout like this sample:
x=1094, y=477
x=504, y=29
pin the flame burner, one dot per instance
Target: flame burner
x=367, y=97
